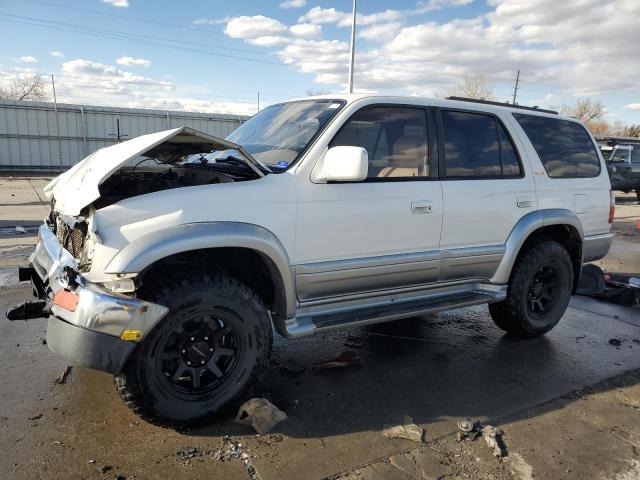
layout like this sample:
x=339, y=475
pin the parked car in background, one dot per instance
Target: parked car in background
x=622, y=156
x=168, y=260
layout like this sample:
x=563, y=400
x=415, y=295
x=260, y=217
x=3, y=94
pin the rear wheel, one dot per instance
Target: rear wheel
x=203, y=356
x=538, y=293
x=638, y=194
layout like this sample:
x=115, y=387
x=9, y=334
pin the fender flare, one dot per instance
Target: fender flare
x=524, y=228
x=155, y=246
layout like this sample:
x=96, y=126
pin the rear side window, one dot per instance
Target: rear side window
x=477, y=146
x=564, y=147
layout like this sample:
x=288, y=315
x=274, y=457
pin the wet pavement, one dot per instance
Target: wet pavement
x=436, y=369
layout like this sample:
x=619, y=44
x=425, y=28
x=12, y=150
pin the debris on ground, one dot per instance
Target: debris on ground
x=20, y=229
x=408, y=431
x=612, y=287
x=36, y=417
x=292, y=364
x=104, y=468
x=64, y=375
x=472, y=430
x=354, y=342
x=188, y=453
x=615, y=342
x=261, y=414
x=493, y=437
x=345, y=359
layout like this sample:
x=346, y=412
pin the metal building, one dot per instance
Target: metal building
x=33, y=137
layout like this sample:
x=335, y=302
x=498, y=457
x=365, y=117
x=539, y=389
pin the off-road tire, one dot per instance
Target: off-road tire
x=514, y=314
x=143, y=388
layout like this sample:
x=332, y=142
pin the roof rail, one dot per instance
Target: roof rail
x=501, y=104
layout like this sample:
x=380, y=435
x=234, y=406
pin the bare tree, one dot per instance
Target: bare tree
x=631, y=131
x=473, y=86
x=26, y=87
x=585, y=110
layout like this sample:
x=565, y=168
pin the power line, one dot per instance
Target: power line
x=135, y=19
x=138, y=42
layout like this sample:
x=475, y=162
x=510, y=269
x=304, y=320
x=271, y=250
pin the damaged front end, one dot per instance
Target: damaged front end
x=87, y=324
x=94, y=318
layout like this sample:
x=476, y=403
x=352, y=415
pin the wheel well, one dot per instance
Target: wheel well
x=567, y=236
x=251, y=267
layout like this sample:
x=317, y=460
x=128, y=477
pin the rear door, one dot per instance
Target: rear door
x=570, y=173
x=486, y=188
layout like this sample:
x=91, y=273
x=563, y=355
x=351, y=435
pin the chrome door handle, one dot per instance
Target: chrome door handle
x=421, y=206
x=524, y=202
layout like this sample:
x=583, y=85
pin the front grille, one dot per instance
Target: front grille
x=72, y=239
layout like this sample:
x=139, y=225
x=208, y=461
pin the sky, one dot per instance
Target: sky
x=215, y=55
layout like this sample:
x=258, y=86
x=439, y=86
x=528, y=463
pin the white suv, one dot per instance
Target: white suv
x=168, y=259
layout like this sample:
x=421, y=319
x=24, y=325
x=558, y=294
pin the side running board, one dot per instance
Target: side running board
x=397, y=310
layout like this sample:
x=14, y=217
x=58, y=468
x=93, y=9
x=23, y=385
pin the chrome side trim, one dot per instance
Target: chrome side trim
x=525, y=226
x=595, y=247
x=148, y=249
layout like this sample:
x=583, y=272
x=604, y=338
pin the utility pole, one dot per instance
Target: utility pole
x=258, y=100
x=55, y=107
x=515, y=89
x=120, y=136
x=353, y=47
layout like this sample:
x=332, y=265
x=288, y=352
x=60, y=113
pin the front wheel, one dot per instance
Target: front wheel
x=203, y=356
x=538, y=293
x=638, y=194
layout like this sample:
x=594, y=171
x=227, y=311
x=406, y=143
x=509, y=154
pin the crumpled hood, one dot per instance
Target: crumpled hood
x=78, y=187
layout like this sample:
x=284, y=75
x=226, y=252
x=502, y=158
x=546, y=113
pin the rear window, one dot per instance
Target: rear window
x=565, y=148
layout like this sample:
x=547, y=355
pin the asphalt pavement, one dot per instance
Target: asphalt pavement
x=567, y=402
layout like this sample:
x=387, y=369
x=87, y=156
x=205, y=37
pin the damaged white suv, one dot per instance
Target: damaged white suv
x=169, y=259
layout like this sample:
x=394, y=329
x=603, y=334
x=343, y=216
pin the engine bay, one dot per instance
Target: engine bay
x=130, y=182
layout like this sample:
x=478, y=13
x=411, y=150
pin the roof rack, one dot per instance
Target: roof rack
x=615, y=140
x=501, y=104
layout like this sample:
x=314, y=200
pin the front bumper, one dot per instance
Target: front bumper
x=99, y=329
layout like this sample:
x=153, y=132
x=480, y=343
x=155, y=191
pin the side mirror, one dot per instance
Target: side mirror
x=345, y=164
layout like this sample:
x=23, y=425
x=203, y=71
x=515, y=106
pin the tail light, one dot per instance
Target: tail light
x=612, y=206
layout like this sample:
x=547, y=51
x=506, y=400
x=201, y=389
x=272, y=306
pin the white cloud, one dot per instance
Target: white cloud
x=268, y=41
x=319, y=15
x=632, y=106
x=306, y=30
x=253, y=27
x=28, y=59
x=380, y=31
x=133, y=62
x=117, y=3
x=56, y=53
x=293, y=4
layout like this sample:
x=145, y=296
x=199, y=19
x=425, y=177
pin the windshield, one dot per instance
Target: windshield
x=278, y=134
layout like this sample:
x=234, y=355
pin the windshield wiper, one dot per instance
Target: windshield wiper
x=237, y=160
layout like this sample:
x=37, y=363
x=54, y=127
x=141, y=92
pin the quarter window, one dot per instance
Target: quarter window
x=477, y=146
x=564, y=147
x=395, y=139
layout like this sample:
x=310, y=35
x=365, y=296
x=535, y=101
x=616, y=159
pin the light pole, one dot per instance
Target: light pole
x=353, y=47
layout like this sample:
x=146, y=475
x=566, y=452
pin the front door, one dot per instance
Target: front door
x=381, y=233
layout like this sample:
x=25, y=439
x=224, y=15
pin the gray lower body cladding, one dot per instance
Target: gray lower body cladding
x=87, y=347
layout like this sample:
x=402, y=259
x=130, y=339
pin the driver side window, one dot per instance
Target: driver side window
x=395, y=139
